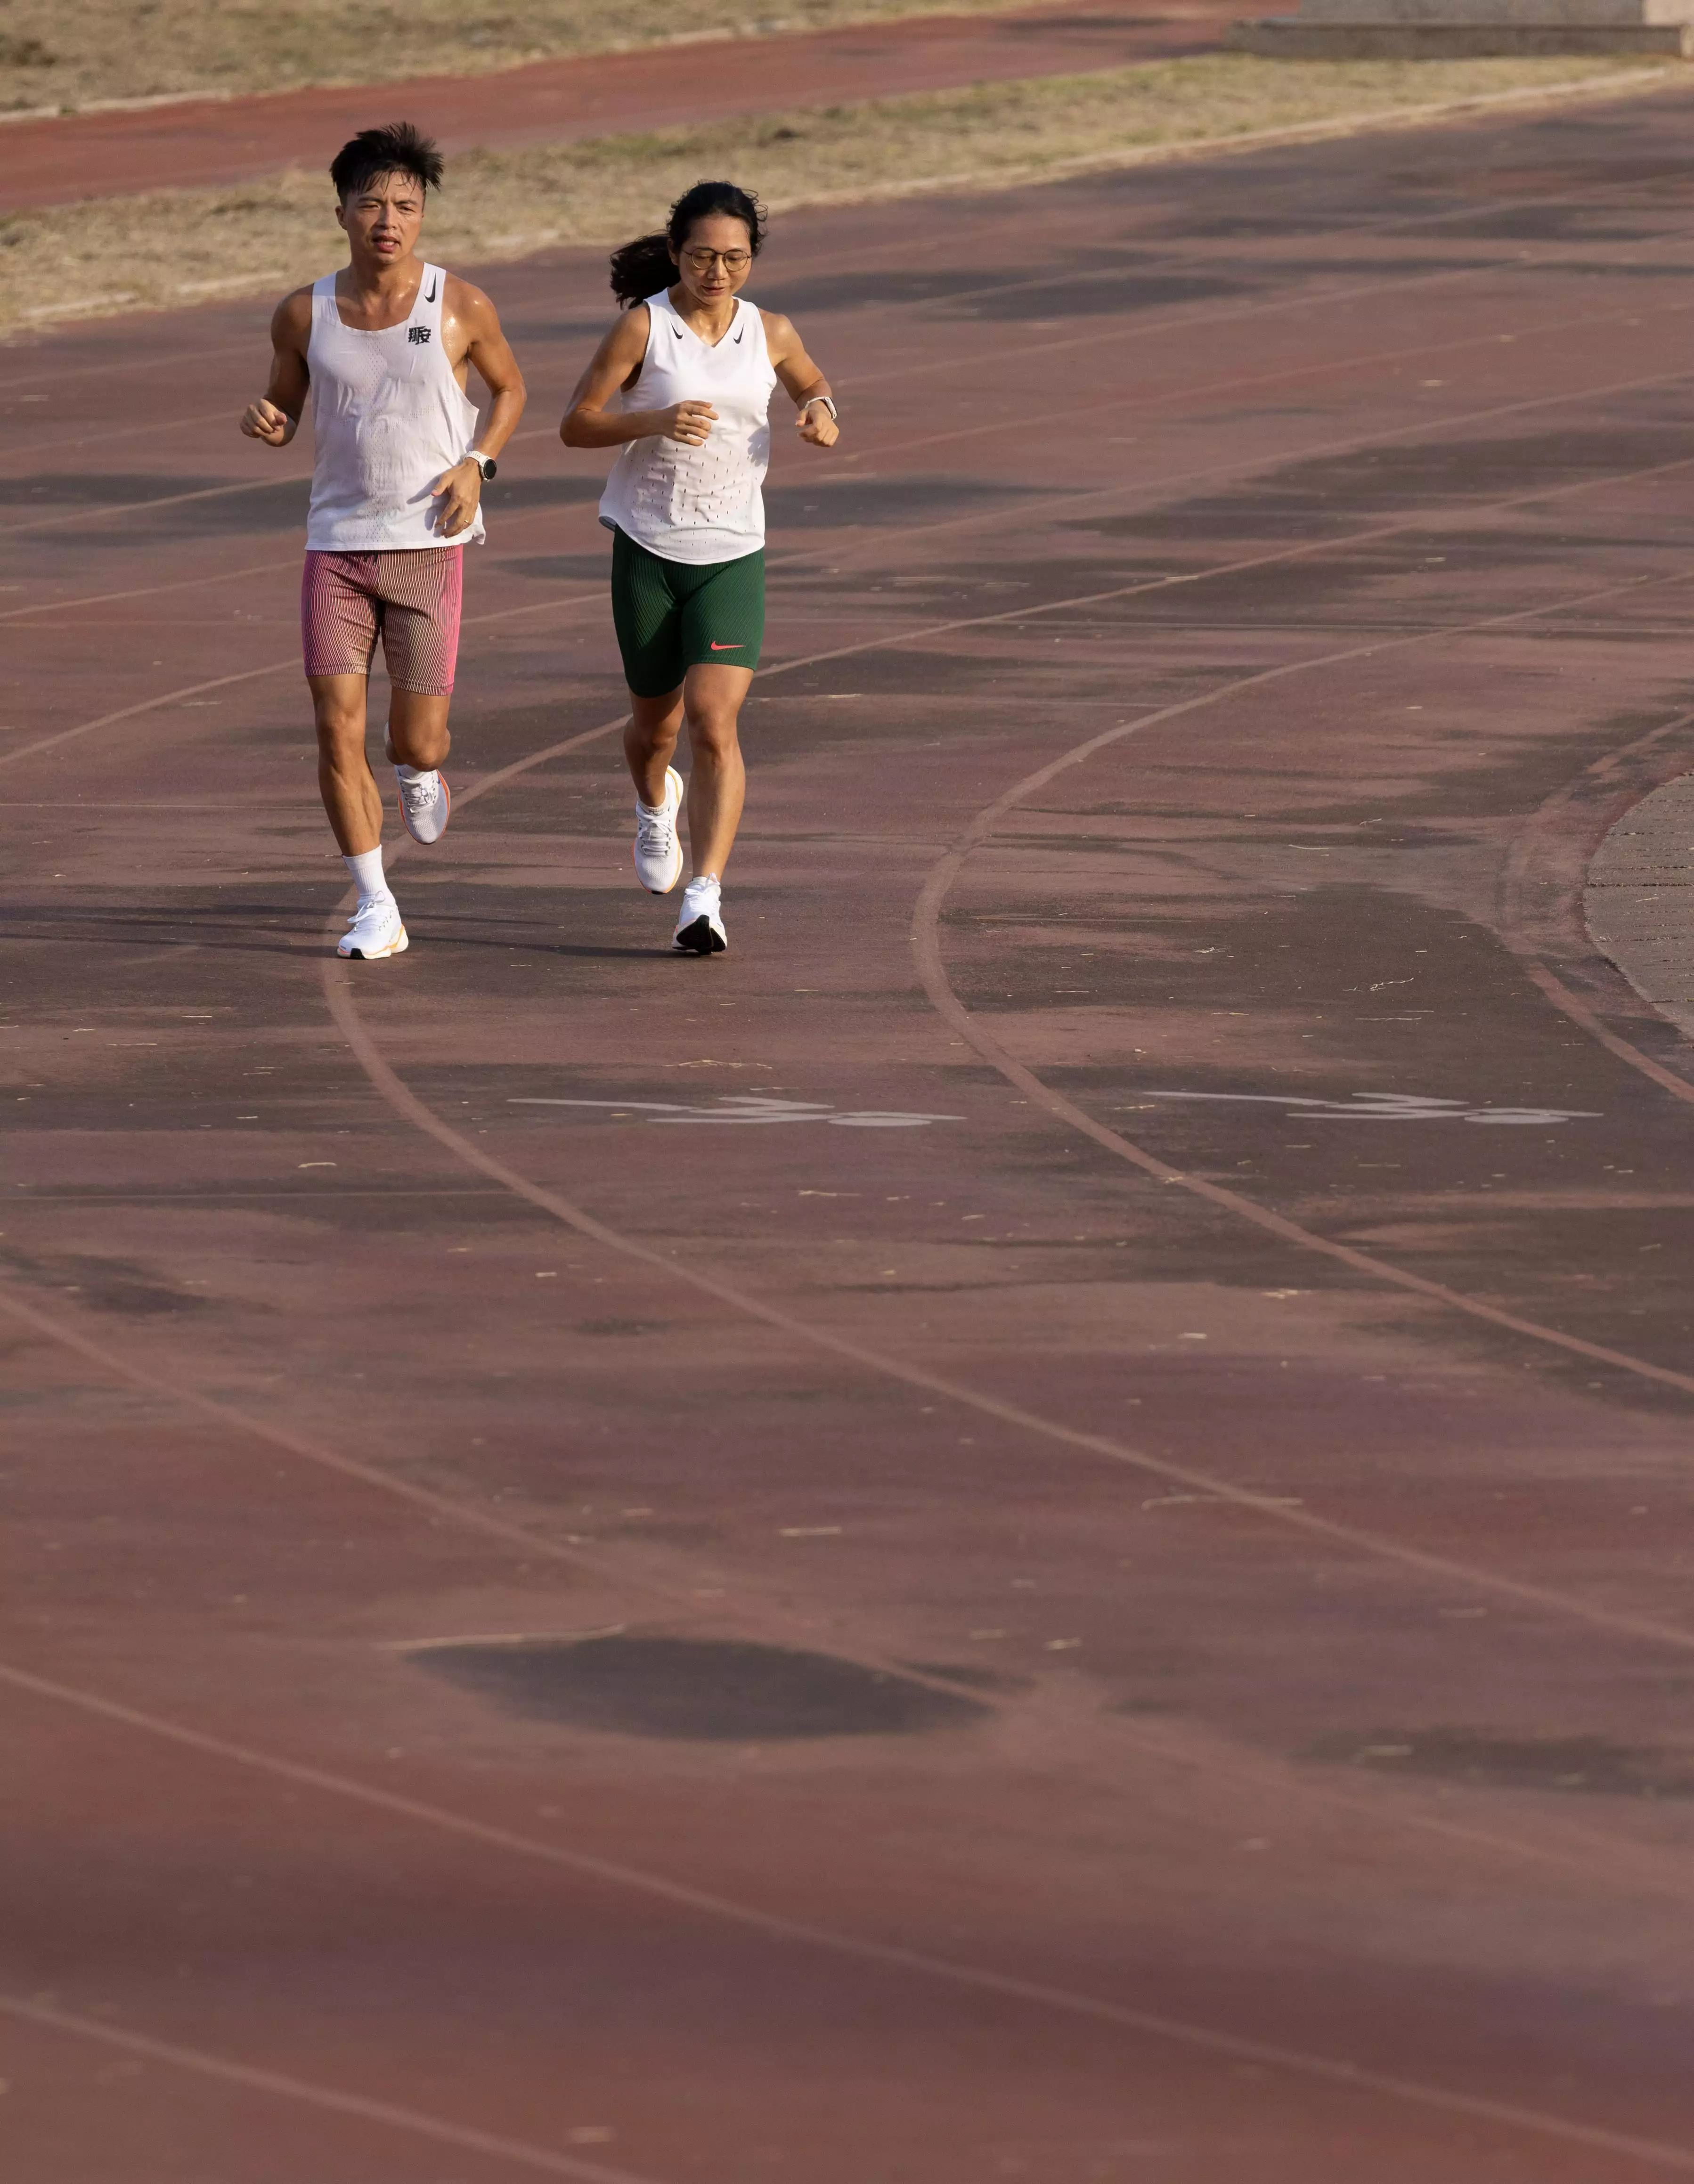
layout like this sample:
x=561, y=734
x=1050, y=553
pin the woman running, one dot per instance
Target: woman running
x=682, y=386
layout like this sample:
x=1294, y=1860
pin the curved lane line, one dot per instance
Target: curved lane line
x=440, y=1508
x=1586, y=1852
x=339, y=1000
x=1650, y=2151
x=932, y=971
x=1647, y=1871
x=1514, y=929
x=1163, y=2027
x=338, y=994
x=255, y=2079
x=1355, y=1538
x=891, y=1956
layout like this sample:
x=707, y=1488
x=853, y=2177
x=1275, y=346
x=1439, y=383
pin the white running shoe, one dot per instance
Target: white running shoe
x=658, y=853
x=699, y=925
x=425, y=804
x=374, y=930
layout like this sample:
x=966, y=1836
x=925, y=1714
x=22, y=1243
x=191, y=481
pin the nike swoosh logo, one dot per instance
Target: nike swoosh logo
x=728, y=648
x=430, y=298
x=742, y=331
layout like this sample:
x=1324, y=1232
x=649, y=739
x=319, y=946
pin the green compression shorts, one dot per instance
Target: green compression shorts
x=673, y=615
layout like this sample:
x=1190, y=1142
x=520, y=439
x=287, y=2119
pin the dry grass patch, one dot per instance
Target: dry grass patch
x=151, y=252
x=71, y=52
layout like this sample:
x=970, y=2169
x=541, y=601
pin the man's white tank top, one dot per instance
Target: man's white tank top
x=697, y=504
x=389, y=417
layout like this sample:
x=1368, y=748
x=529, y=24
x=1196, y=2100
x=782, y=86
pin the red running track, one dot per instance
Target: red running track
x=1108, y=1599
x=204, y=142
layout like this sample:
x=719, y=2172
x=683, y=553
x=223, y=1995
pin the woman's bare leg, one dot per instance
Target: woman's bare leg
x=717, y=780
x=649, y=741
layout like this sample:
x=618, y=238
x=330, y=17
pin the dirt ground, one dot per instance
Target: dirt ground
x=52, y=55
x=145, y=252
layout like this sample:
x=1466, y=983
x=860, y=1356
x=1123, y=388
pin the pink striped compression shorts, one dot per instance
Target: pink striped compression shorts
x=412, y=598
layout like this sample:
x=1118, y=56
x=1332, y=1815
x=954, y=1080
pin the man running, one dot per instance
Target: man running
x=384, y=347
x=681, y=386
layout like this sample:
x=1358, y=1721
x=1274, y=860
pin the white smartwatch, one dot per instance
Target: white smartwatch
x=827, y=404
x=486, y=464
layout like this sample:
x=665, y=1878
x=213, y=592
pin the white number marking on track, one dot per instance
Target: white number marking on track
x=1388, y=1107
x=749, y=1107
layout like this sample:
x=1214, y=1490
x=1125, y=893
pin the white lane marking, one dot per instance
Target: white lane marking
x=1387, y=1107
x=749, y=1107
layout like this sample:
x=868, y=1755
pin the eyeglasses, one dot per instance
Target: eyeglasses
x=702, y=261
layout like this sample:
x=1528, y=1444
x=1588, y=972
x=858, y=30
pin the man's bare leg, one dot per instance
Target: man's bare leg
x=345, y=782
x=416, y=743
x=417, y=730
x=417, y=738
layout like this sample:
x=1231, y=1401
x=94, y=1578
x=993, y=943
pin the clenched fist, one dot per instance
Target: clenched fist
x=263, y=420
x=816, y=427
x=689, y=422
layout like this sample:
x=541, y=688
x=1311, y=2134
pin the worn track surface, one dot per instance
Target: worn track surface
x=197, y=143
x=1147, y=1580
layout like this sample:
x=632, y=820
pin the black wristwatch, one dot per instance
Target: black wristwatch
x=486, y=464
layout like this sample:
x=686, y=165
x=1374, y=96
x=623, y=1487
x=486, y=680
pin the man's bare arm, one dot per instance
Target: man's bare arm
x=276, y=415
x=471, y=328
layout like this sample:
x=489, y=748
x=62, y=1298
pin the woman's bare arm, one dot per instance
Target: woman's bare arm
x=588, y=422
x=803, y=380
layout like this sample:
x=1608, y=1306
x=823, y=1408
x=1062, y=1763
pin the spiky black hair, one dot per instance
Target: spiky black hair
x=397, y=149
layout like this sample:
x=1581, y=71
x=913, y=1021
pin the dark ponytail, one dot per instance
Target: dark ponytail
x=642, y=268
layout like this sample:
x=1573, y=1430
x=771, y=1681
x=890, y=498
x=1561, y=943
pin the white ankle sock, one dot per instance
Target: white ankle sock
x=367, y=868
x=415, y=772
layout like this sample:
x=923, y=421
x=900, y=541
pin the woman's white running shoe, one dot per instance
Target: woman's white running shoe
x=425, y=804
x=658, y=853
x=699, y=927
x=374, y=930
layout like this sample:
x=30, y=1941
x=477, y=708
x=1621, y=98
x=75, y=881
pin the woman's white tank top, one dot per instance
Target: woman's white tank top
x=389, y=417
x=697, y=504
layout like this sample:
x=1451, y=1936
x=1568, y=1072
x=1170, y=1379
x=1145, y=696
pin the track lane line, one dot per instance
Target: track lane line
x=1141, y=329
x=563, y=601
x=1647, y=1871
x=763, y=1622
x=891, y=1956
x=1166, y=2027
x=1021, y=612
x=931, y=971
x=116, y=510
x=284, y=2085
x=1515, y=926
x=339, y=1000
x=847, y=554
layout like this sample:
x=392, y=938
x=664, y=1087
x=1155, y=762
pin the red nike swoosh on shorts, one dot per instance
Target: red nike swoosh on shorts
x=728, y=648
